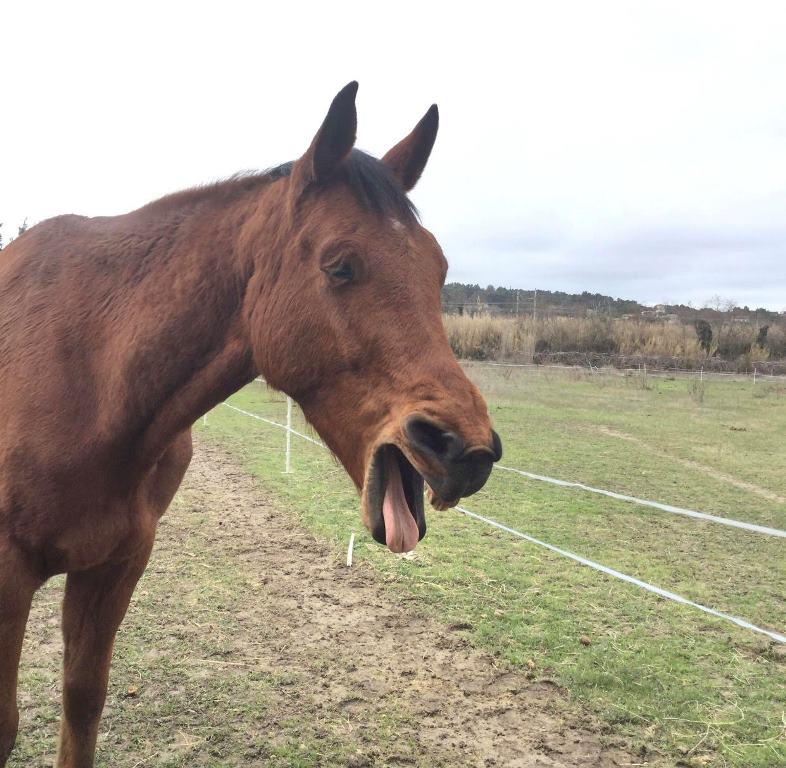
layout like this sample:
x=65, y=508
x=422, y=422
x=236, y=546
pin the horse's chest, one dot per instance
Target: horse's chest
x=77, y=525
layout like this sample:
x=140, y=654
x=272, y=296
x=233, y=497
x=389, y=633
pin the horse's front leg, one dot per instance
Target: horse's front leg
x=94, y=605
x=96, y=602
x=17, y=585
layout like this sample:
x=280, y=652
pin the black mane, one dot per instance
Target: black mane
x=375, y=187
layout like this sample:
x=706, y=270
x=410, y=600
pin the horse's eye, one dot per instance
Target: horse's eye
x=341, y=272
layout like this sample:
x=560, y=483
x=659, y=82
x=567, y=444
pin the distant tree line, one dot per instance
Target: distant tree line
x=468, y=298
x=458, y=298
x=21, y=229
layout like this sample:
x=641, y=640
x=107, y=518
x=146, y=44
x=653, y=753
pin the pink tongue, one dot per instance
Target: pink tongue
x=401, y=530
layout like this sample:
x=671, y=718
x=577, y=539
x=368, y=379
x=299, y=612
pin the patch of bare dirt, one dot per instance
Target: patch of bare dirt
x=360, y=651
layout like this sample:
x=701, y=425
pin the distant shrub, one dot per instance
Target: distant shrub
x=567, y=334
x=704, y=335
x=776, y=342
x=734, y=343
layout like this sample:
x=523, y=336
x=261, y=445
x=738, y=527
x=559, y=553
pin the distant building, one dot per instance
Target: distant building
x=659, y=313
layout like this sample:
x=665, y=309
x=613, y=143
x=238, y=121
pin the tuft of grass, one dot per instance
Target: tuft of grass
x=697, y=389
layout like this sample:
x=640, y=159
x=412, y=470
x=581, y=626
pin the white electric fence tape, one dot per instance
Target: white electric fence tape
x=776, y=636
x=628, y=371
x=275, y=424
x=646, y=503
x=624, y=577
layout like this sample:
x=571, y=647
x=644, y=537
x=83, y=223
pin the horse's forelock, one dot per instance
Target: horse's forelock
x=372, y=183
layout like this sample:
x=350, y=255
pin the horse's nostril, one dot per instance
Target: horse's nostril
x=429, y=438
x=476, y=470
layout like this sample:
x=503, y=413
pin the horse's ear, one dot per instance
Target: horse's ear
x=408, y=158
x=333, y=141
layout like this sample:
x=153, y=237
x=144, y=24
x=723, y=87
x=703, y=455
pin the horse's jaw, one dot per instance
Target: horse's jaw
x=392, y=500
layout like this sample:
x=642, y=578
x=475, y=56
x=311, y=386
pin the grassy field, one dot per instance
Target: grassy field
x=677, y=683
x=250, y=644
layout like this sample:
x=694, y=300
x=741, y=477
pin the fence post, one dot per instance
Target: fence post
x=754, y=375
x=287, y=461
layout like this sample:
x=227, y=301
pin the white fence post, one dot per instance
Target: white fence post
x=287, y=461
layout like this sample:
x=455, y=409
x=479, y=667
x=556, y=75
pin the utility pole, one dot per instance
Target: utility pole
x=517, y=302
x=535, y=307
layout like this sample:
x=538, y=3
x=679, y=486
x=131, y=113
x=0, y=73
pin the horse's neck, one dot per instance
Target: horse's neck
x=190, y=348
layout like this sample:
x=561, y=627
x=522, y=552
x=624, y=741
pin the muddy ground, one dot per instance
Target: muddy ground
x=249, y=643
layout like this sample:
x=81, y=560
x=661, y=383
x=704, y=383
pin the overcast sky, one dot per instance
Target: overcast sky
x=631, y=148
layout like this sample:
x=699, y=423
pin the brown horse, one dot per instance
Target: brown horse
x=117, y=333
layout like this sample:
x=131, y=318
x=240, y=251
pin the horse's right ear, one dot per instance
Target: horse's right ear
x=333, y=141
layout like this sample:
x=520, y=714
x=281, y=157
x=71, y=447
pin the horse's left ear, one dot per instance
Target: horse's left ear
x=409, y=157
x=334, y=140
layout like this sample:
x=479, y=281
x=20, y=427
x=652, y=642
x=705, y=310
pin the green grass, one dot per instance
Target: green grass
x=671, y=679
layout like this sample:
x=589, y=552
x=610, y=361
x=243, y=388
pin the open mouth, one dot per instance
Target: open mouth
x=393, y=494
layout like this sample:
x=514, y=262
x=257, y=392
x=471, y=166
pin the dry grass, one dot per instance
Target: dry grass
x=483, y=337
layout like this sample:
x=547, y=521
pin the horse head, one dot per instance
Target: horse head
x=349, y=324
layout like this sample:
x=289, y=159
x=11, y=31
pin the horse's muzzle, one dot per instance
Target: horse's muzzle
x=459, y=470
x=392, y=493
